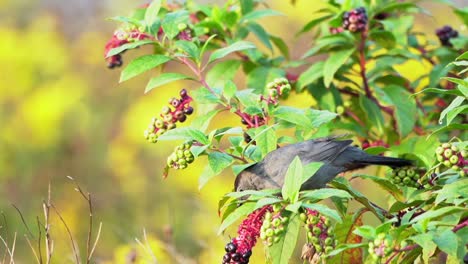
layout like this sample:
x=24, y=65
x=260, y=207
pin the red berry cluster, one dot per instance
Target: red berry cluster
x=273, y=225
x=169, y=117
x=378, y=143
x=239, y=250
x=120, y=38
x=181, y=157
x=355, y=20
x=444, y=34
x=452, y=157
x=319, y=231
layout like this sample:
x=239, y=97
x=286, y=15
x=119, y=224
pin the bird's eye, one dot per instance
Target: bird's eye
x=240, y=190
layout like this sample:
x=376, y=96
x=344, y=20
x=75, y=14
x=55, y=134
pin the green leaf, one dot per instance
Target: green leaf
x=206, y=175
x=259, y=14
x=142, y=64
x=237, y=46
x=189, y=48
x=128, y=20
x=172, y=20
x=405, y=108
x=247, y=97
x=428, y=246
x=312, y=74
x=292, y=181
x=325, y=193
x=230, y=89
x=447, y=241
x=386, y=185
x=281, y=45
x=261, y=34
x=247, y=6
x=320, y=117
x=281, y=252
x=440, y=91
x=436, y=213
x=151, y=14
x=309, y=170
x=165, y=78
x=243, y=210
x=128, y=46
x=384, y=38
x=202, y=122
x=205, y=96
x=266, y=142
x=222, y=72
x=453, y=190
x=314, y=22
x=324, y=210
x=219, y=161
x=463, y=85
x=454, y=104
x=333, y=63
x=455, y=112
x=373, y=113
x=185, y=133
x=366, y=231
x=293, y=115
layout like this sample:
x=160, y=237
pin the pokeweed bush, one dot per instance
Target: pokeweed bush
x=361, y=87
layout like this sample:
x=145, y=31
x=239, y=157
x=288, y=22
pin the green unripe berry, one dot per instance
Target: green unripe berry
x=180, y=154
x=316, y=230
x=160, y=132
x=276, y=240
x=276, y=222
x=447, y=163
x=278, y=231
x=158, y=123
x=284, y=220
x=328, y=241
x=263, y=235
x=187, y=153
x=462, y=173
x=347, y=103
x=327, y=222
x=315, y=240
x=165, y=110
x=167, y=118
x=276, y=207
x=455, y=167
x=181, y=26
x=310, y=236
x=318, y=248
x=410, y=172
x=397, y=179
x=440, y=158
x=314, y=220
x=190, y=160
x=269, y=232
x=402, y=173
x=328, y=249
x=448, y=153
x=406, y=180
x=267, y=216
x=303, y=217
x=273, y=92
x=439, y=150
x=269, y=241
x=267, y=224
x=454, y=148
x=182, y=162
x=371, y=245
x=454, y=159
x=330, y=230
x=446, y=145
x=340, y=110
x=171, y=126
x=381, y=235
x=464, y=153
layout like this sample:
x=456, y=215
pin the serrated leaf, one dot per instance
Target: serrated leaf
x=453, y=190
x=447, y=241
x=247, y=97
x=324, y=210
x=333, y=63
x=151, y=14
x=219, y=161
x=205, y=96
x=320, y=117
x=128, y=46
x=436, y=213
x=312, y=74
x=428, y=246
x=257, y=14
x=292, y=181
x=282, y=251
x=165, y=78
x=405, y=108
x=237, y=46
x=267, y=141
x=190, y=48
x=141, y=65
x=243, y=210
x=186, y=133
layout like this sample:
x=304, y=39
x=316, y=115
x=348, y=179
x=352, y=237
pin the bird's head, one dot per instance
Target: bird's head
x=243, y=181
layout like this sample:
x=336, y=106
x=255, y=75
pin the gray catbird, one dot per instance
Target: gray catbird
x=338, y=156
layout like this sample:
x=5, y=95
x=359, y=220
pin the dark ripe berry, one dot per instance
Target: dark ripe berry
x=175, y=102
x=247, y=255
x=226, y=258
x=178, y=114
x=236, y=256
x=445, y=34
x=247, y=138
x=182, y=118
x=188, y=110
x=183, y=93
x=243, y=121
x=230, y=247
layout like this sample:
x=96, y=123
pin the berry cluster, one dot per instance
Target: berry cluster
x=407, y=176
x=444, y=34
x=185, y=33
x=452, y=157
x=380, y=247
x=377, y=143
x=239, y=250
x=181, y=157
x=169, y=117
x=278, y=88
x=319, y=231
x=273, y=225
x=120, y=38
x=355, y=20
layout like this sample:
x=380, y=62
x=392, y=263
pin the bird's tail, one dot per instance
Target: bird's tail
x=388, y=161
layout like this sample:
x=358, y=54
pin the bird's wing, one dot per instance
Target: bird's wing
x=275, y=164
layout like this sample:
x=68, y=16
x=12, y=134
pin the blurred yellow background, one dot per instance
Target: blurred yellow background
x=63, y=113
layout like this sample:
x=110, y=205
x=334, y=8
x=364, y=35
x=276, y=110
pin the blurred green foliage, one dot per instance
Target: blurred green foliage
x=62, y=113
